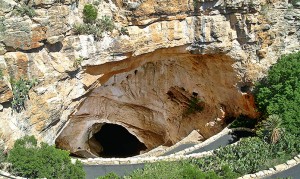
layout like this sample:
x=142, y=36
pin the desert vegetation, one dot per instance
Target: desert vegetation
x=91, y=24
x=20, y=89
x=32, y=160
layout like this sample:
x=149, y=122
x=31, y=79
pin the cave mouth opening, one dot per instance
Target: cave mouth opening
x=117, y=141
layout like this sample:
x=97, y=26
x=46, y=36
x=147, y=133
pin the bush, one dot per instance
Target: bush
x=90, y=13
x=175, y=170
x=194, y=105
x=31, y=161
x=77, y=62
x=279, y=92
x=105, y=23
x=2, y=25
x=295, y=2
x=20, y=90
x=243, y=121
x=110, y=175
x=3, y=154
x=248, y=156
x=1, y=74
x=96, y=29
x=26, y=10
x=124, y=31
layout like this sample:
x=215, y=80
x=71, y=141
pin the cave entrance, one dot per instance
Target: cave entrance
x=116, y=141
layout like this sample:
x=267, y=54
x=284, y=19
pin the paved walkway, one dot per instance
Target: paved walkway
x=222, y=141
x=179, y=148
x=94, y=171
x=293, y=172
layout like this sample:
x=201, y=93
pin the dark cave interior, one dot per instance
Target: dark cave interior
x=116, y=141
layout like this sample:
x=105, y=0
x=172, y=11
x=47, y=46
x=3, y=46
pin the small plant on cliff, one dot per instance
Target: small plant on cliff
x=124, y=31
x=78, y=62
x=20, y=90
x=93, y=25
x=194, y=105
x=26, y=10
x=90, y=13
x=96, y=29
x=31, y=160
x=296, y=2
x=1, y=74
x=105, y=23
x=2, y=26
x=3, y=154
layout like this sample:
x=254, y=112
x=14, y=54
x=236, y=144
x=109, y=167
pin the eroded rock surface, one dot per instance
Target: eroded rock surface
x=151, y=101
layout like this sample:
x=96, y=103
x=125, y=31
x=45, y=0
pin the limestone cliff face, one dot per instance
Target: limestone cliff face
x=142, y=81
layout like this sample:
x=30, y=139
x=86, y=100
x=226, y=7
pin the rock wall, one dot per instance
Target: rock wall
x=216, y=49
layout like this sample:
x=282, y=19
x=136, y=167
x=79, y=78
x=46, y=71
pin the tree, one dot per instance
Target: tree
x=270, y=129
x=279, y=92
x=30, y=160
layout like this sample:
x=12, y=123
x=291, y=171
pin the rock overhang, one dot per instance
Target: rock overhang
x=149, y=94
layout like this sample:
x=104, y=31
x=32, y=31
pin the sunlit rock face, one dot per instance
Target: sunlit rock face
x=151, y=101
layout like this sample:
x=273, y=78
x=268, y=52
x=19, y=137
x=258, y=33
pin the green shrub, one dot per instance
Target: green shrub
x=20, y=90
x=3, y=154
x=26, y=10
x=97, y=2
x=1, y=74
x=2, y=25
x=96, y=29
x=194, y=105
x=90, y=13
x=110, y=175
x=124, y=31
x=105, y=23
x=243, y=121
x=78, y=62
x=279, y=92
x=31, y=161
x=248, y=156
x=175, y=170
x=295, y=2
x=80, y=28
